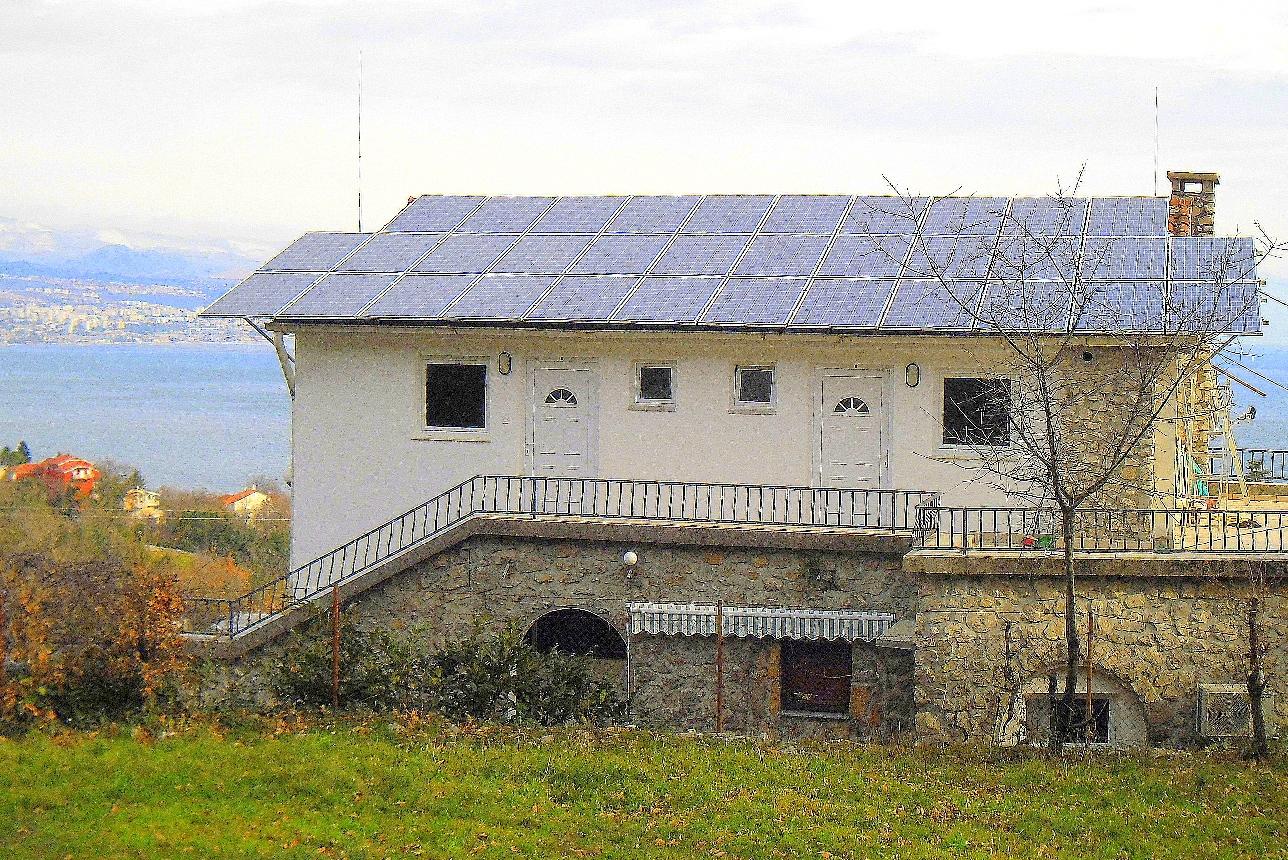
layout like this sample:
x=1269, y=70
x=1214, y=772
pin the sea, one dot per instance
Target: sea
x=189, y=416
x=218, y=416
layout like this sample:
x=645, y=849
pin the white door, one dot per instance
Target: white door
x=851, y=430
x=562, y=422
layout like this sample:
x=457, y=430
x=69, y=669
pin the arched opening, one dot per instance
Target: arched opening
x=577, y=632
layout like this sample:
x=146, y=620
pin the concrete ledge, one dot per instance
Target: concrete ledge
x=735, y=535
x=1190, y=565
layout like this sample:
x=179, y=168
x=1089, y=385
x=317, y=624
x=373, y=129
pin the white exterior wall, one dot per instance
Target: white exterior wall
x=361, y=456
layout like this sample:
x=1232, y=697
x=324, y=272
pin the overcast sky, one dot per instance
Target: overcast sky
x=235, y=121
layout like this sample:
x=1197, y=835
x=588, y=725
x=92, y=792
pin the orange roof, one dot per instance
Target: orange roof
x=237, y=497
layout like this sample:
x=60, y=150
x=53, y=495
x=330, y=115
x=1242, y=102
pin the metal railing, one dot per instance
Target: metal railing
x=663, y=501
x=1104, y=530
x=1258, y=465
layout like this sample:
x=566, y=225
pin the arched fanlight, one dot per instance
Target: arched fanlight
x=850, y=406
x=561, y=397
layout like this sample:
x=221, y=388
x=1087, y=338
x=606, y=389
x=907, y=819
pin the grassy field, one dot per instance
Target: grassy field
x=384, y=789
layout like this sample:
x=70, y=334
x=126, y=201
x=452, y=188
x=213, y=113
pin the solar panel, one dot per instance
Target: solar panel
x=506, y=215
x=502, y=297
x=845, y=302
x=783, y=255
x=1121, y=306
x=316, y=252
x=1201, y=307
x=1128, y=216
x=701, y=255
x=433, y=213
x=419, y=296
x=729, y=213
x=806, y=213
x=884, y=215
x=542, y=254
x=1025, y=257
x=1047, y=216
x=1126, y=257
x=652, y=215
x=341, y=295
x=579, y=215
x=663, y=300
x=965, y=216
x=866, y=256
x=263, y=294
x=920, y=304
x=465, y=253
x=755, y=301
x=625, y=255
x=1012, y=306
x=1213, y=259
x=951, y=257
x=390, y=252
x=583, y=297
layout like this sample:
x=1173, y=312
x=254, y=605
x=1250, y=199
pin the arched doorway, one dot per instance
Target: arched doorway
x=576, y=632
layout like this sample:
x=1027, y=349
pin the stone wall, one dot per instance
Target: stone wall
x=988, y=640
x=500, y=580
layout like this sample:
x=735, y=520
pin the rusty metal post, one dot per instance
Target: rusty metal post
x=719, y=666
x=1090, y=724
x=335, y=647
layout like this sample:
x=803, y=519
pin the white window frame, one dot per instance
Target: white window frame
x=423, y=431
x=643, y=405
x=754, y=407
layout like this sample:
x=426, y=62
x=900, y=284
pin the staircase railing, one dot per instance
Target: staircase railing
x=663, y=501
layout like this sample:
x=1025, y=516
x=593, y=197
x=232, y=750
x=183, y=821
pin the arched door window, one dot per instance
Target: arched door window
x=850, y=406
x=561, y=397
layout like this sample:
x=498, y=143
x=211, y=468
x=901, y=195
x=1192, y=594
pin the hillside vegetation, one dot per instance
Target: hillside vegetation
x=395, y=789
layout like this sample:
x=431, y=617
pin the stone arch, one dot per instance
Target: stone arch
x=576, y=631
x=1127, y=718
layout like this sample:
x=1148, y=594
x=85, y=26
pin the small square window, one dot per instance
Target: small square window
x=655, y=383
x=816, y=676
x=455, y=396
x=754, y=386
x=977, y=412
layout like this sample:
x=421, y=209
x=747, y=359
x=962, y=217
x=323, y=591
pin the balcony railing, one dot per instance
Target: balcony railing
x=1258, y=465
x=1103, y=530
x=659, y=501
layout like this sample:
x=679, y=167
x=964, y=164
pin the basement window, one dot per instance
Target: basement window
x=977, y=411
x=455, y=396
x=816, y=677
x=1075, y=732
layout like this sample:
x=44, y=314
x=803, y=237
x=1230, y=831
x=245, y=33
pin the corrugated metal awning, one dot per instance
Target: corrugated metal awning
x=760, y=622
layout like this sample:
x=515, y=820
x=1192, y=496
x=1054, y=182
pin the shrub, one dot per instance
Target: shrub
x=487, y=676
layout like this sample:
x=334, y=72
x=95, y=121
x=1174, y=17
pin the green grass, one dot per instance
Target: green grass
x=388, y=789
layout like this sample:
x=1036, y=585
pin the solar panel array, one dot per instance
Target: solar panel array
x=789, y=262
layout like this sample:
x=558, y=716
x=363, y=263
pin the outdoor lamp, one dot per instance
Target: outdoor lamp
x=629, y=558
x=912, y=375
x=504, y=363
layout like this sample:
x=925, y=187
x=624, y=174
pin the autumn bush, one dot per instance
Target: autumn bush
x=91, y=618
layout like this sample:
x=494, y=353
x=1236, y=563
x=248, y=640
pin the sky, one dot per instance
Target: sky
x=235, y=123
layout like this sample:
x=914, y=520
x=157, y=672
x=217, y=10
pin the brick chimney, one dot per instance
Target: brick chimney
x=1191, y=210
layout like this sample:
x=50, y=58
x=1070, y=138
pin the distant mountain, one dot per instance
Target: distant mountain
x=108, y=256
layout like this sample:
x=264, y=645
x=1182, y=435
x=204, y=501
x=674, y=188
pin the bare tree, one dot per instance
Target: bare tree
x=1260, y=747
x=1089, y=370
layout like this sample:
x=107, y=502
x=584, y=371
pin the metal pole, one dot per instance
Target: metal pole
x=1090, y=726
x=719, y=666
x=335, y=647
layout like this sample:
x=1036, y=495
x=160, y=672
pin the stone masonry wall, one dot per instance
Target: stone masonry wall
x=498, y=580
x=1155, y=640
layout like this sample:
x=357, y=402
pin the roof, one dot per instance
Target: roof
x=776, y=262
x=234, y=498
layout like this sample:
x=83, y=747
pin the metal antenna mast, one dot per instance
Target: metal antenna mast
x=1155, y=141
x=360, y=141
